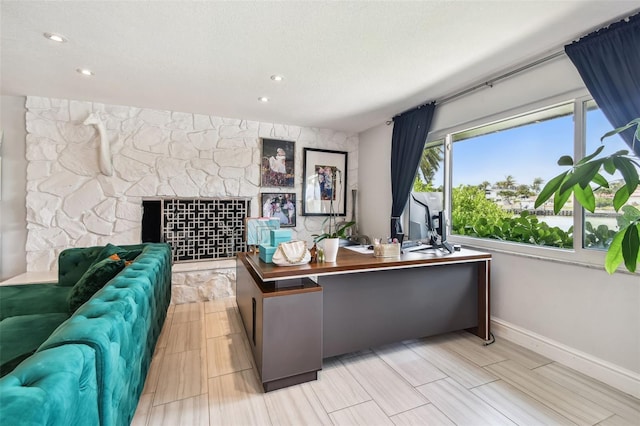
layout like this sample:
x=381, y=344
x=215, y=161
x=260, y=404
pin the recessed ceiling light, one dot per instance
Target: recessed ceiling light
x=263, y=99
x=55, y=37
x=85, y=71
x=277, y=77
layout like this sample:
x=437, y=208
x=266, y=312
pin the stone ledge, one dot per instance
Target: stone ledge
x=203, y=281
x=204, y=265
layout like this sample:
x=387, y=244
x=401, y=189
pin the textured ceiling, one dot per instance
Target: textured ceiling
x=347, y=65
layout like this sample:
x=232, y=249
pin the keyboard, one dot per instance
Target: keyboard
x=414, y=246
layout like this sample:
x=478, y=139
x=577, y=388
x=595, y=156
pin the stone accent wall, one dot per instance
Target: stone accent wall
x=201, y=281
x=155, y=154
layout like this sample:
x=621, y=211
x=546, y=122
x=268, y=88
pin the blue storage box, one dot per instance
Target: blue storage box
x=280, y=236
x=266, y=253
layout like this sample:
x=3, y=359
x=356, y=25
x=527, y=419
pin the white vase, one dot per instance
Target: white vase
x=331, y=249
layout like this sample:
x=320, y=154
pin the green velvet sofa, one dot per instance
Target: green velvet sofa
x=90, y=364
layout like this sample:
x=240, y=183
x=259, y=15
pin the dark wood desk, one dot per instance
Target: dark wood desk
x=297, y=315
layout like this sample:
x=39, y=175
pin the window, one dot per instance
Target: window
x=492, y=173
x=430, y=174
x=498, y=171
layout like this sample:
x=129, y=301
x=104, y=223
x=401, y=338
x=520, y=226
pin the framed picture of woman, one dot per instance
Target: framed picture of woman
x=280, y=205
x=277, y=168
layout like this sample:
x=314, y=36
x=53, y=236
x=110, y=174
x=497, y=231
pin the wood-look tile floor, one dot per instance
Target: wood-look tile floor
x=202, y=373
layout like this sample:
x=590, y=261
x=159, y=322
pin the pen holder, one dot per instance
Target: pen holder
x=386, y=250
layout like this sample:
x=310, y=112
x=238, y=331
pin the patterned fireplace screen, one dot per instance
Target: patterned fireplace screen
x=197, y=229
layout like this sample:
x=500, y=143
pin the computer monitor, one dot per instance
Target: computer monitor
x=427, y=219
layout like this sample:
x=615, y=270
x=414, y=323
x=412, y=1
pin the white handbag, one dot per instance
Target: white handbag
x=292, y=253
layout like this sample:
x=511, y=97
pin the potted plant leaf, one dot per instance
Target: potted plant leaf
x=332, y=237
x=577, y=180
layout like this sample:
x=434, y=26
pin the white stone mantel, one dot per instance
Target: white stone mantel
x=155, y=154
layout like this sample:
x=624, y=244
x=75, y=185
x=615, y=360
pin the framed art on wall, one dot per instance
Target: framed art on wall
x=280, y=205
x=324, y=185
x=277, y=168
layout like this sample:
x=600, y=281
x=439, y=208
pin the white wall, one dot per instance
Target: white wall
x=594, y=314
x=575, y=309
x=374, y=176
x=13, y=225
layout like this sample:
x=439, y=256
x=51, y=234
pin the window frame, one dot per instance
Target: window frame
x=576, y=255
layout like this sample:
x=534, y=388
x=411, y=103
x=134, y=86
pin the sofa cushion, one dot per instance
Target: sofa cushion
x=107, y=251
x=74, y=262
x=93, y=280
x=30, y=299
x=20, y=336
x=122, y=252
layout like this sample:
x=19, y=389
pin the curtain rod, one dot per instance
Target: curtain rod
x=492, y=81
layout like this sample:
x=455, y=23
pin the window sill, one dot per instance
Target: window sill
x=593, y=259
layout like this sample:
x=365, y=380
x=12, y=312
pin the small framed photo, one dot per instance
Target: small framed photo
x=277, y=167
x=325, y=182
x=280, y=205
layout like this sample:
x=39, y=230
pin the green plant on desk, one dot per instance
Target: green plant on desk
x=334, y=231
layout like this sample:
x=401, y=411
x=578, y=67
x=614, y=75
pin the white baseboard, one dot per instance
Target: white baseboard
x=620, y=378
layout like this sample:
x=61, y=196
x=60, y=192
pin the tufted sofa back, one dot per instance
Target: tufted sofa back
x=119, y=325
x=54, y=387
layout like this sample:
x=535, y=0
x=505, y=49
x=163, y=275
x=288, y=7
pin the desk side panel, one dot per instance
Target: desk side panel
x=292, y=335
x=250, y=303
x=369, y=309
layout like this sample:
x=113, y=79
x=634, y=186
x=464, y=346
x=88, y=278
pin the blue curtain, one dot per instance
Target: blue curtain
x=409, y=136
x=608, y=61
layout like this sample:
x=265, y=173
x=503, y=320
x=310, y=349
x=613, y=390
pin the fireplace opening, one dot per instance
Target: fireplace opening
x=197, y=229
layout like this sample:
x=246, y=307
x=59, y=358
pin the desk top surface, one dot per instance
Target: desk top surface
x=349, y=261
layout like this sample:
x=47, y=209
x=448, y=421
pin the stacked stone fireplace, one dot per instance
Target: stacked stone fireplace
x=156, y=155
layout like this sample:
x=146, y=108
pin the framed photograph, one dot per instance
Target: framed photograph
x=324, y=187
x=277, y=167
x=281, y=206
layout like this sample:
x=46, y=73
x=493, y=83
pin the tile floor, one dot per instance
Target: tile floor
x=203, y=374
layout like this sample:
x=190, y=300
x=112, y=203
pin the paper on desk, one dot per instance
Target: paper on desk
x=360, y=249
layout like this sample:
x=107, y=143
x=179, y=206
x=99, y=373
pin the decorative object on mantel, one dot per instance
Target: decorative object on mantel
x=324, y=182
x=104, y=156
x=277, y=168
x=292, y=253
